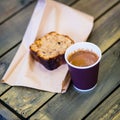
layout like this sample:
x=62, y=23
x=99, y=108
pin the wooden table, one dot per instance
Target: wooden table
x=102, y=103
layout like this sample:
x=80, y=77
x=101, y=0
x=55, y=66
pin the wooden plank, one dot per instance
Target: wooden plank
x=4, y=64
x=3, y=87
x=6, y=114
x=67, y=2
x=94, y=7
x=103, y=73
x=11, y=7
x=24, y=100
x=8, y=8
x=106, y=30
x=74, y=105
x=109, y=109
x=28, y=103
x=30, y=99
x=13, y=30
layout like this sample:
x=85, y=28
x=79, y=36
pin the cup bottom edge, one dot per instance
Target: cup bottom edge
x=87, y=90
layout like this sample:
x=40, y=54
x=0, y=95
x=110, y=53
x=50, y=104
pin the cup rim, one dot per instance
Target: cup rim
x=85, y=67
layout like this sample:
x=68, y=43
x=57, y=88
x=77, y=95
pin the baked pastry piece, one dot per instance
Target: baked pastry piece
x=49, y=50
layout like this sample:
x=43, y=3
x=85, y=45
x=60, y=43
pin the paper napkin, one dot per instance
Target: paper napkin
x=48, y=16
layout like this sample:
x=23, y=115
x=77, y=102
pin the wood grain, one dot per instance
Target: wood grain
x=4, y=64
x=106, y=30
x=74, y=105
x=12, y=31
x=94, y=7
x=67, y=2
x=9, y=8
x=10, y=36
x=24, y=100
x=101, y=30
x=7, y=114
x=109, y=109
x=15, y=6
x=71, y=105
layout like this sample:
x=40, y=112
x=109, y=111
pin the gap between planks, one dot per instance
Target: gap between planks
x=108, y=10
x=19, y=115
x=100, y=103
x=12, y=15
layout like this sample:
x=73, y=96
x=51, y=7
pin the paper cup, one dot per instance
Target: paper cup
x=84, y=78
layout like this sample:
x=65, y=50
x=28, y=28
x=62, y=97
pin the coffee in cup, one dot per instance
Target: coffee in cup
x=83, y=60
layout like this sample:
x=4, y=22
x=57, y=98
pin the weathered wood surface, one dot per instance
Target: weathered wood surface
x=107, y=29
x=4, y=64
x=95, y=8
x=25, y=101
x=12, y=31
x=72, y=105
x=67, y=2
x=11, y=7
x=109, y=109
x=14, y=36
x=7, y=114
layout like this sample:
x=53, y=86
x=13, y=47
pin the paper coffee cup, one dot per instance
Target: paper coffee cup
x=84, y=78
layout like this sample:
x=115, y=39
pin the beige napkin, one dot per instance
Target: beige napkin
x=48, y=16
